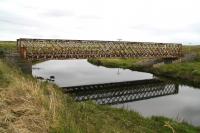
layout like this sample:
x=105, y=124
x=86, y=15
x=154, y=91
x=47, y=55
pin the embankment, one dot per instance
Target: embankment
x=186, y=72
x=28, y=105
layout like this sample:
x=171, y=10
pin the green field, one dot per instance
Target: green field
x=7, y=45
x=191, y=49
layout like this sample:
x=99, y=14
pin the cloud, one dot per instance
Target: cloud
x=58, y=13
x=13, y=18
x=195, y=27
x=132, y=20
x=90, y=17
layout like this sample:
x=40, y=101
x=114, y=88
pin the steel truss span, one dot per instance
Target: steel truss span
x=46, y=49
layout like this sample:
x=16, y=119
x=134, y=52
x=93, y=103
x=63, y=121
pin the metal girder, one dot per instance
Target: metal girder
x=45, y=49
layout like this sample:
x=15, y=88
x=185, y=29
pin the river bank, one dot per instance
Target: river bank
x=28, y=105
x=185, y=72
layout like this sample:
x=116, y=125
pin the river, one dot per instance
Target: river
x=146, y=94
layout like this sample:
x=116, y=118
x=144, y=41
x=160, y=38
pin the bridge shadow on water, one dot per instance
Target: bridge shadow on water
x=122, y=92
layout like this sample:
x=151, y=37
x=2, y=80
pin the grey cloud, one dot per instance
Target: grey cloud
x=15, y=22
x=14, y=19
x=89, y=17
x=153, y=29
x=58, y=13
x=195, y=27
x=32, y=7
x=172, y=34
x=192, y=28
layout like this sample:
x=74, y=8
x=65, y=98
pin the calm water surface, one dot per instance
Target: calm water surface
x=184, y=105
x=80, y=72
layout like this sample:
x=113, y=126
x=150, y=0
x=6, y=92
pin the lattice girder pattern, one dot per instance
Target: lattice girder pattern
x=121, y=92
x=42, y=49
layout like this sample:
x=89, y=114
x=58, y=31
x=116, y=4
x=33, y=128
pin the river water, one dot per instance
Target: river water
x=146, y=94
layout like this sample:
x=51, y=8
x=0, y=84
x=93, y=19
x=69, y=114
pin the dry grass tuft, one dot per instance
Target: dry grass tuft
x=27, y=105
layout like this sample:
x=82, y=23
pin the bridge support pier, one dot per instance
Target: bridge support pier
x=23, y=52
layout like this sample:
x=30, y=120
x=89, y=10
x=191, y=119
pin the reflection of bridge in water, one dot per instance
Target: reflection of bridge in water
x=122, y=92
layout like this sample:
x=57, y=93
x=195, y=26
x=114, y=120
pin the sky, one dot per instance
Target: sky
x=130, y=20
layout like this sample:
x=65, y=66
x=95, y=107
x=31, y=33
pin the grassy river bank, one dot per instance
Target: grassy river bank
x=28, y=105
x=186, y=72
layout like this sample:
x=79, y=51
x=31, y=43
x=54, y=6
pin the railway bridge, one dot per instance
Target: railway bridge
x=46, y=49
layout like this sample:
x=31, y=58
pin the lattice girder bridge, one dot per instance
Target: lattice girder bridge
x=46, y=49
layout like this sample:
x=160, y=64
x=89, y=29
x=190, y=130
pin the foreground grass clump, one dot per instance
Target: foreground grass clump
x=27, y=105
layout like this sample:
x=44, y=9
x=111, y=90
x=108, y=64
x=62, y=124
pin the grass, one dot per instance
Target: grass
x=189, y=71
x=116, y=62
x=28, y=105
x=187, y=49
x=25, y=105
x=7, y=47
x=186, y=71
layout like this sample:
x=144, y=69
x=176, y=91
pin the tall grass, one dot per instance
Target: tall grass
x=25, y=104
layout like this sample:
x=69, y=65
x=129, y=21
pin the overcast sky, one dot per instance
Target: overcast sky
x=131, y=20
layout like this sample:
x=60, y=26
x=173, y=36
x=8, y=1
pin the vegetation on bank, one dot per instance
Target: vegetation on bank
x=28, y=105
x=7, y=47
x=115, y=62
x=187, y=49
x=186, y=71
